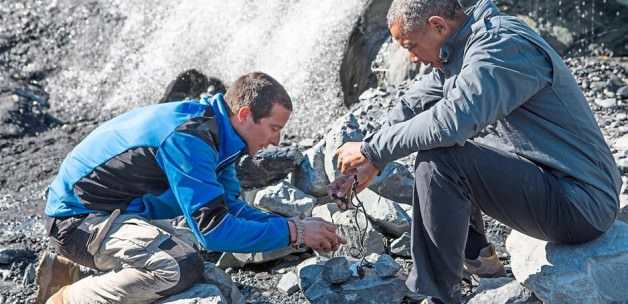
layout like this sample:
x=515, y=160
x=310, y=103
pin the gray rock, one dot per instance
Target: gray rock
x=285, y=199
x=502, y=290
x=310, y=176
x=337, y=270
x=326, y=211
x=197, y=294
x=594, y=272
x=249, y=195
x=263, y=257
x=289, y=283
x=228, y=260
x=401, y=246
x=374, y=290
x=621, y=143
x=216, y=276
x=29, y=275
x=268, y=166
x=345, y=129
x=384, y=265
x=310, y=271
x=622, y=93
x=10, y=255
x=607, y=103
x=352, y=232
x=386, y=214
x=395, y=182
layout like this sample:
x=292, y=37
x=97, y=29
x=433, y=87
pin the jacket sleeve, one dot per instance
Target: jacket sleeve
x=498, y=75
x=422, y=95
x=228, y=178
x=189, y=164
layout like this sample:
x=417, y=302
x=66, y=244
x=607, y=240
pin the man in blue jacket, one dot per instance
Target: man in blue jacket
x=544, y=170
x=111, y=205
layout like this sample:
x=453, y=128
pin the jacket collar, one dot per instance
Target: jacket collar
x=231, y=145
x=456, y=42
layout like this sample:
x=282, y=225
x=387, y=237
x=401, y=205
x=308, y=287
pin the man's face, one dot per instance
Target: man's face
x=266, y=131
x=424, y=44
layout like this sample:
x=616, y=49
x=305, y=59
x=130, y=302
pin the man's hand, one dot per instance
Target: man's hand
x=349, y=157
x=320, y=235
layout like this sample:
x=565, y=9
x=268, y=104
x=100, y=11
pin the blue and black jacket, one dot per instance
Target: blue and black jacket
x=164, y=161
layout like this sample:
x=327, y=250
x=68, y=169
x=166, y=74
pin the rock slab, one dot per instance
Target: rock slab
x=594, y=272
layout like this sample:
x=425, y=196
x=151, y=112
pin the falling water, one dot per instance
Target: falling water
x=299, y=42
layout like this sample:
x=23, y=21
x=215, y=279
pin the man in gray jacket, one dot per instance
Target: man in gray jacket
x=544, y=170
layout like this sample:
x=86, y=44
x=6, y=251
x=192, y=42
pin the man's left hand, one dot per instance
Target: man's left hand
x=350, y=156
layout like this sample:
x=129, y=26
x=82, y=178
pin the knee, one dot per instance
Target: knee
x=180, y=267
x=442, y=160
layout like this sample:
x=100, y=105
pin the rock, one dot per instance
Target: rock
x=263, y=257
x=623, y=208
x=10, y=255
x=227, y=260
x=621, y=143
x=607, y=103
x=384, y=265
x=395, y=182
x=29, y=275
x=285, y=199
x=346, y=227
x=502, y=290
x=289, y=283
x=268, y=166
x=385, y=214
x=622, y=93
x=191, y=84
x=345, y=129
x=310, y=176
x=337, y=270
x=217, y=277
x=369, y=289
x=326, y=211
x=594, y=272
x=197, y=294
x=249, y=195
x=401, y=246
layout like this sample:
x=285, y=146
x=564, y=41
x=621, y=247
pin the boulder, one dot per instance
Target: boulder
x=337, y=270
x=386, y=214
x=326, y=211
x=268, y=166
x=502, y=290
x=401, y=245
x=238, y=260
x=310, y=176
x=289, y=283
x=285, y=199
x=395, y=182
x=201, y=293
x=352, y=231
x=384, y=265
x=345, y=129
x=594, y=272
x=217, y=277
x=367, y=289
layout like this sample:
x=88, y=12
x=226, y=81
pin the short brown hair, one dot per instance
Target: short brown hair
x=258, y=91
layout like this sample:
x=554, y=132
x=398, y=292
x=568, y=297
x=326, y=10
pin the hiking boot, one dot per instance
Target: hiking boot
x=486, y=264
x=55, y=272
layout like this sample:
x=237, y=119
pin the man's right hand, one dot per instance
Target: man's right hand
x=320, y=235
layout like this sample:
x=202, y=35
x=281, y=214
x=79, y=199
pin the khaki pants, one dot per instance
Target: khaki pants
x=141, y=261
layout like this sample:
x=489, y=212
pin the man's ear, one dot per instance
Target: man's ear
x=243, y=113
x=438, y=24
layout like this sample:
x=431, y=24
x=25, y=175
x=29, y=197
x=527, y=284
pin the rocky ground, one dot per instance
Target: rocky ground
x=35, y=136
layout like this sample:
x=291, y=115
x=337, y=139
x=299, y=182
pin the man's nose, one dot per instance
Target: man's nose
x=275, y=139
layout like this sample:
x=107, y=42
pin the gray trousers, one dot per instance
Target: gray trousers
x=453, y=184
x=141, y=261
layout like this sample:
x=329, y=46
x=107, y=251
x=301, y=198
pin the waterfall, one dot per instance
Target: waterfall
x=298, y=42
